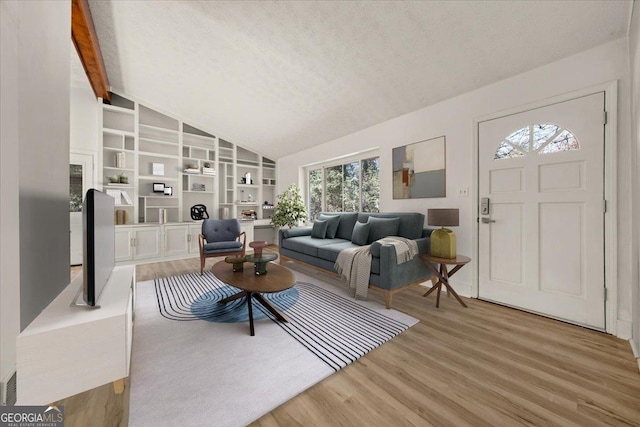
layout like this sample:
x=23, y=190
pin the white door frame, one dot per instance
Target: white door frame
x=610, y=181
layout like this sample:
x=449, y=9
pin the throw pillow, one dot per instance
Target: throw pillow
x=360, y=233
x=382, y=227
x=333, y=223
x=319, y=229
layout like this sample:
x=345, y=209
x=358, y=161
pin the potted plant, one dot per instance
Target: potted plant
x=290, y=208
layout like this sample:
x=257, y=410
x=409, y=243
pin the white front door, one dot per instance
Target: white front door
x=541, y=231
x=80, y=179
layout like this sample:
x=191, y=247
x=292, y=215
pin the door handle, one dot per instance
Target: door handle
x=487, y=220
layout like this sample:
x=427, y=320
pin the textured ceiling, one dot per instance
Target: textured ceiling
x=280, y=77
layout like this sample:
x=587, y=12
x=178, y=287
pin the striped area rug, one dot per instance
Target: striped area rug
x=334, y=328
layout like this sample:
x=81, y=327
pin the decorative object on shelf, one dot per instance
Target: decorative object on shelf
x=168, y=191
x=158, y=187
x=250, y=198
x=162, y=215
x=419, y=170
x=208, y=170
x=443, y=241
x=195, y=186
x=122, y=217
x=114, y=179
x=199, y=212
x=237, y=261
x=248, y=214
x=157, y=169
x=192, y=168
x=290, y=208
x=120, y=160
x=124, y=179
x=225, y=213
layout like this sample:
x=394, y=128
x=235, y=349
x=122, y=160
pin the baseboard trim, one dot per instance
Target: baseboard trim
x=8, y=389
x=623, y=329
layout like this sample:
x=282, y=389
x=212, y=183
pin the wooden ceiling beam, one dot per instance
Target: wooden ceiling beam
x=85, y=39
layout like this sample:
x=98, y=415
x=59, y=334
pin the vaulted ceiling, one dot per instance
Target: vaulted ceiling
x=280, y=77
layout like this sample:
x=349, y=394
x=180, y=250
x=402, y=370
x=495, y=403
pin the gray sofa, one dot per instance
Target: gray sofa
x=386, y=274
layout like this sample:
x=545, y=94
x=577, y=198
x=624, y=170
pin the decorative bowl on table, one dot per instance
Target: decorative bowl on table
x=237, y=262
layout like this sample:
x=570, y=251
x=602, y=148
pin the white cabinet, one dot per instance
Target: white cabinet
x=146, y=243
x=176, y=240
x=194, y=233
x=247, y=227
x=124, y=244
x=57, y=354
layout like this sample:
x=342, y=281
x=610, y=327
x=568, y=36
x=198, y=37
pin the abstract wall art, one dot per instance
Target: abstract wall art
x=419, y=169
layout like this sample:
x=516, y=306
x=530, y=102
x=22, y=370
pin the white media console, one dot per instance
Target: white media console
x=67, y=350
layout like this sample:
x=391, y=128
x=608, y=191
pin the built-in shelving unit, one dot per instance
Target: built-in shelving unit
x=143, y=148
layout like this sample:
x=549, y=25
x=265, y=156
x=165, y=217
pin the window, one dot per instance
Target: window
x=538, y=138
x=348, y=187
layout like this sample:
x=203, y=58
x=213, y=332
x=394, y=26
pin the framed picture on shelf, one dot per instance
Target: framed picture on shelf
x=157, y=169
x=158, y=187
x=168, y=191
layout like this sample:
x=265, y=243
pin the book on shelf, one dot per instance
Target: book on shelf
x=117, y=195
x=126, y=198
x=208, y=171
x=190, y=170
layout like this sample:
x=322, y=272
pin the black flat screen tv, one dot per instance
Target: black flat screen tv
x=98, y=230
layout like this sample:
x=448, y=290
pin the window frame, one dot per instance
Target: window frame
x=342, y=161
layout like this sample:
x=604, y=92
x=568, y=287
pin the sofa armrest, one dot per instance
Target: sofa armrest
x=285, y=233
x=424, y=245
x=426, y=232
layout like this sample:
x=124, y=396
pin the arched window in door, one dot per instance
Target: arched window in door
x=537, y=138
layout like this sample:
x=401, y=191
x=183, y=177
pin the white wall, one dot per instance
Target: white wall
x=85, y=111
x=34, y=256
x=634, y=62
x=9, y=215
x=84, y=119
x=454, y=119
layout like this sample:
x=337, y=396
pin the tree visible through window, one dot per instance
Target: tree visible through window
x=538, y=138
x=350, y=187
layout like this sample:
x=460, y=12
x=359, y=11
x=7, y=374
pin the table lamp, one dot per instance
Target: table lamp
x=443, y=241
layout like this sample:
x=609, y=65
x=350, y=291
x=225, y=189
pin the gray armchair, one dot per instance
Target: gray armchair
x=220, y=237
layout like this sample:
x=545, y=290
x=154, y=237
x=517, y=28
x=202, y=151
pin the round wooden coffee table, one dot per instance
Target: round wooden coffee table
x=278, y=279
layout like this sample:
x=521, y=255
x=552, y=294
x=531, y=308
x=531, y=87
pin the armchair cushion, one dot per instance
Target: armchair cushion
x=214, y=247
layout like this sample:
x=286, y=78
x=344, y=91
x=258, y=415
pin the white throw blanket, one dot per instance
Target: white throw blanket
x=354, y=264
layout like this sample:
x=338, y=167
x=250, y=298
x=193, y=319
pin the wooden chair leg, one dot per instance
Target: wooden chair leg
x=201, y=265
x=388, y=295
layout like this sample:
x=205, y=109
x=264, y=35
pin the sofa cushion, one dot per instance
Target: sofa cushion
x=382, y=227
x=332, y=226
x=347, y=221
x=295, y=232
x=330, y=252
x=360, y=233
x=411, y=223
x=319, y=229
x=308, y=245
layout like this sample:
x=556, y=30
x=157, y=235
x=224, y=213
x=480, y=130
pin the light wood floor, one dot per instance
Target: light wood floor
x=485, y=365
